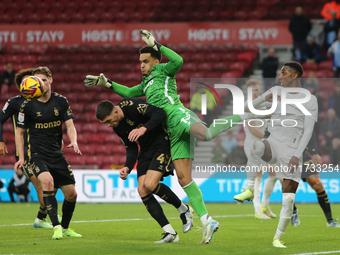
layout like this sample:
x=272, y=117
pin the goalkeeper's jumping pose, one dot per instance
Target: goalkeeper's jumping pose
x=135, y=120
x=159, y=87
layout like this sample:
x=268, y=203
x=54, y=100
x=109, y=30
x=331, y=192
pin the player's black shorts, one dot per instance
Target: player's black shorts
x=59, y=168
x=158, y=159
x=26, y=170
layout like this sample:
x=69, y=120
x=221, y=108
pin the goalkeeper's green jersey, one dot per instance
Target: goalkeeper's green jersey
x=159, y=86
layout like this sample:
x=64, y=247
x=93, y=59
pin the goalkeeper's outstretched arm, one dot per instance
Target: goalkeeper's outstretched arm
x=176, y=61
x=121, y=90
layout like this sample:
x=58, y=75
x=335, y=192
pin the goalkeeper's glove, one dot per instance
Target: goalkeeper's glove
x=100, y=80
x=149, y=39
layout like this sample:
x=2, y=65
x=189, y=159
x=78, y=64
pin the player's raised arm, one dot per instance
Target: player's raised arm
x=72, y=134
x=121, y=90
x=176, y=61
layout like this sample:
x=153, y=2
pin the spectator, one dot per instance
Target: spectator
x=312, y=87
x=331, y=133
x=330, y=31
x=330, y=7
x=219, y=153
x=334, y=51
x=311, y=51
x=196, y=105
x=7, y=77
x=19, y=185
x=269, y=67
x=299, y=26
x=237, y=156
x=334, y=99
x=311, y=81
x=230, y=142
x=297, y=53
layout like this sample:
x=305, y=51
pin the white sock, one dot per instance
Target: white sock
x=251, y=183
x=183, y=208
x=38, y=220
x=285, y=214
x=57, y=226
x=168, y=228
x=205, y=219
x=268, y=190
x=257, y=195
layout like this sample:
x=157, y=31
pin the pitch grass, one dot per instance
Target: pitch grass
x=128, y=229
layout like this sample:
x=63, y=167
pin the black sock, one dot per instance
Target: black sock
x=42, y=213
x=155, y=209
x=325, y=205
x=294, y=209
x=165, y=193
x=68, y=209
x=51, y=206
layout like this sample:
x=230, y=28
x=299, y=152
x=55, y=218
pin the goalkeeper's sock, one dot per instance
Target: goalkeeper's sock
x=220, y=125
x=51, y=206
x=195, y=198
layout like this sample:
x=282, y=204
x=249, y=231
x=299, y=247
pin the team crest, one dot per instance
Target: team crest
x=21, y=117
x=142, y=108
x=39, y=114
x=131, y=123
x=56, y=111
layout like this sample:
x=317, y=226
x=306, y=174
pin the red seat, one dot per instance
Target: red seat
x=9, y=160
x=237, y=66
x=103, y=129
x=328, y=64
x=112, y=139
x=324, y=74
x=310, y=66
x=96, y=138
x=76, y=160
x=89, y=127
x=240, y=15
x=103, y=150
x=232, y=74
x=246, y=56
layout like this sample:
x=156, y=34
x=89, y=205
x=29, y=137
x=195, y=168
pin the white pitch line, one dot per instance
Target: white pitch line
x=141, y=219
x=320, y=252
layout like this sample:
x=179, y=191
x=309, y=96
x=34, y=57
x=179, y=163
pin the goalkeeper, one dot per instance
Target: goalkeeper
x=183, y=125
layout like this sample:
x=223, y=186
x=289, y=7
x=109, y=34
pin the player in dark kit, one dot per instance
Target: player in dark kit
x=134, y=121
x=312, y=177
x=43, y=121
x=11, y=110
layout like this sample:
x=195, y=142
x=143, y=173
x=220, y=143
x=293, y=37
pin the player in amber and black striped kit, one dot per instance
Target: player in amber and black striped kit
x=11, y=110
x=134, y=120
x=43, y=121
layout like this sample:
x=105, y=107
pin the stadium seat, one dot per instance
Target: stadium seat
x=310, y=66
x=90, y=127
x=328, y=64
x=324, y=74
x=103, y=150
x=96, y=138
x=9, y=160
x=76, y=160
x=112, y=139
x=232, y=74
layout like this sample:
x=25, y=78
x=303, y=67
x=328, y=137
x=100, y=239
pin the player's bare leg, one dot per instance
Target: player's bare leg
x=183, y=171
x=289, y=188
x=154, y=208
